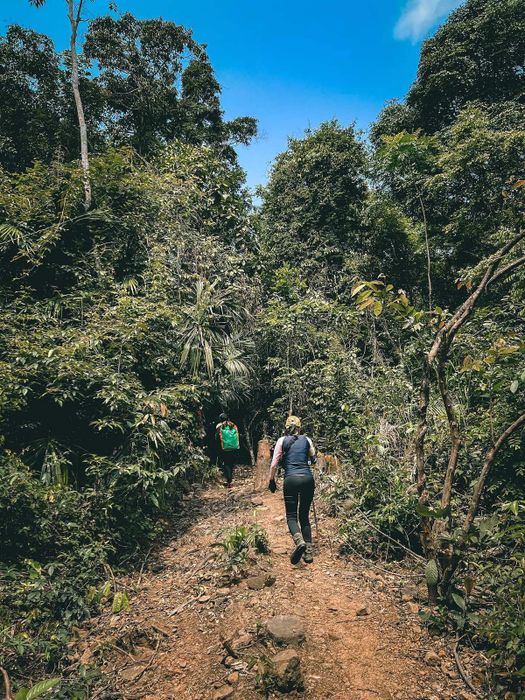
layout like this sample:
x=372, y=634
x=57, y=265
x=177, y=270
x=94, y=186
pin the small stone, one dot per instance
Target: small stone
x=233, y=678
x=228, y=661
x=204, y=598
x=432, y=659
x=408, y=594
x=256, y=501
x=286, y=629
x=413, y=608
x=362, y=612
x=284, y=671
x=223, y=591
x=129, y=674
x=334, y=637
x=453, y=675
x=243, y=641
x=225, y=691
x=280, y=550
x=257, y=583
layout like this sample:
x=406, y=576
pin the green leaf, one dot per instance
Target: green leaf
x=120, y=602
x=459, y=601
x=358, y=288
x=378, y=308
x=426, y=512
x=432, y=572
x=42, y=687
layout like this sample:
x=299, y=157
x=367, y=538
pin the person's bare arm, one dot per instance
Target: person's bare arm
x=277, y=454
x=311, y=452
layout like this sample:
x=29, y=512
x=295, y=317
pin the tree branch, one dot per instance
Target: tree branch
x=451, y=327
x=506, y=270
x=487, y=464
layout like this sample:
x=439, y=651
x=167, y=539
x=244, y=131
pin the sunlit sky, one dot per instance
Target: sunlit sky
x=290, y=64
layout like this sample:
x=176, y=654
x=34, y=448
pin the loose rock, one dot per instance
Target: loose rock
x=283, y=672
x=225, y=691
x=243, y=641
x=257, y=583
x=408, y=594
x=286, y=629
x=233, y=678
x=432, y=659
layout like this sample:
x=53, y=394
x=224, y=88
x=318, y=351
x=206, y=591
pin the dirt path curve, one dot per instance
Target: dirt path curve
x=362, y=641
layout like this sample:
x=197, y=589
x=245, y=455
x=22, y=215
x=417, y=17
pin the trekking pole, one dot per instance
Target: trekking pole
x=315, y=520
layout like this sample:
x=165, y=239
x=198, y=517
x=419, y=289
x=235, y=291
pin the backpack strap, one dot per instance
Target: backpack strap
x=286, y=446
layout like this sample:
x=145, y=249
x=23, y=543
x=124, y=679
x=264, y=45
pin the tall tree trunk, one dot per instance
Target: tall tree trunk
x=427, y=247
x=249, y=440
x=74, y=20
x=424, y=397
x=262, y=467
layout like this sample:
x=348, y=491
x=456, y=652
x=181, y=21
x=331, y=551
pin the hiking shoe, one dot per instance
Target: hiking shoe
x=300, y=546
x=308, y=555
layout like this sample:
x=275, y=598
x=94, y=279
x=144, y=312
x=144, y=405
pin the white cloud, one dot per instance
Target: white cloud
x=420, y=15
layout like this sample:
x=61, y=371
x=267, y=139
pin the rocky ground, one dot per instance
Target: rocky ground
x=336, y=629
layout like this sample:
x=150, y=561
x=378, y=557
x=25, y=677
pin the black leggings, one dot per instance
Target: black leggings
x=298, y=495
x=227, y=463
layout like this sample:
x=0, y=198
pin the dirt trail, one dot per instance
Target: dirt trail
x=363, y=641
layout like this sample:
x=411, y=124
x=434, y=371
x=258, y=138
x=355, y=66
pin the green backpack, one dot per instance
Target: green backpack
x=229, y=437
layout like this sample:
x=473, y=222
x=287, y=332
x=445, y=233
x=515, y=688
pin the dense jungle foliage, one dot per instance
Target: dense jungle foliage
x=377, y=291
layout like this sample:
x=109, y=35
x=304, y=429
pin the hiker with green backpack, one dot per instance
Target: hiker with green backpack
x=296, y=452
x=227, y=435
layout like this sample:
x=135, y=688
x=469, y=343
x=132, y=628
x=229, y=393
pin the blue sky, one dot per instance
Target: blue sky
x=290, y=64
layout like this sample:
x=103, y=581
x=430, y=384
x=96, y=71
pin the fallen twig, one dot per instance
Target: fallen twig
x=198, y=567
x=349, y=619
x=121, y=651
x=369, y=562
x=227, y=645
x=384, y=534
x=150, y=662
x=461, y=669
x=142, y=567
x=182, y=607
